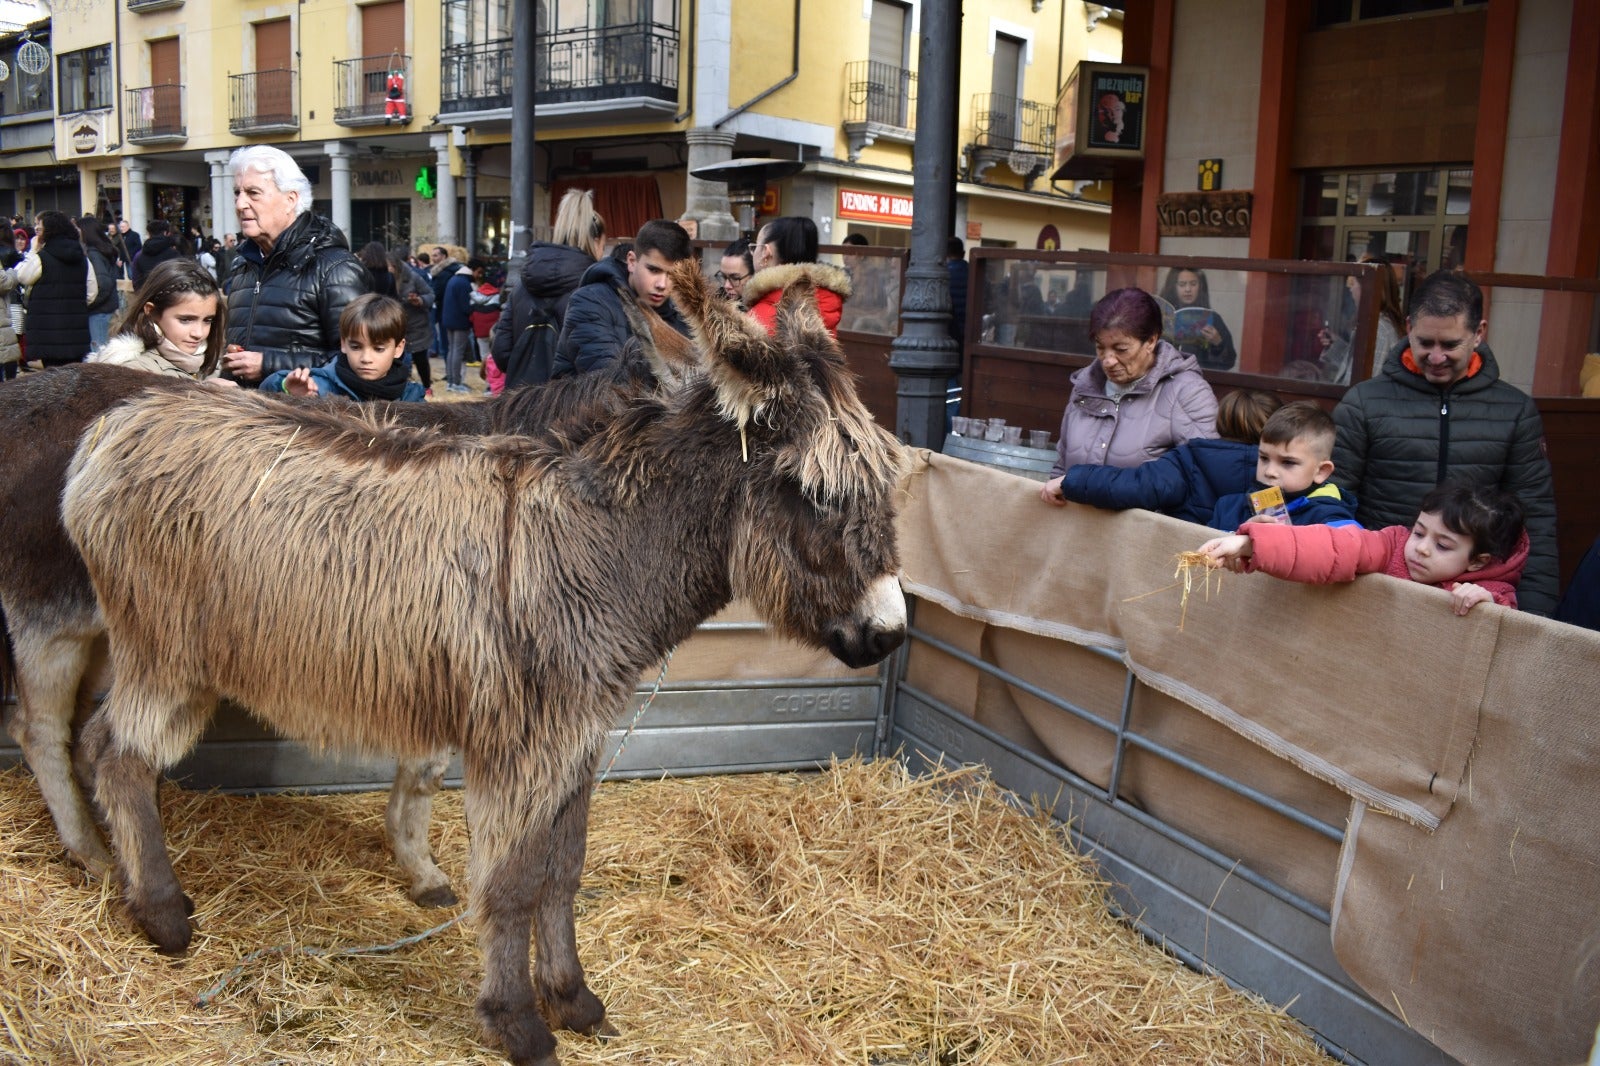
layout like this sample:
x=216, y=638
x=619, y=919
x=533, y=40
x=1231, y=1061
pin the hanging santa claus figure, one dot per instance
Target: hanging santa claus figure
x=394, y=104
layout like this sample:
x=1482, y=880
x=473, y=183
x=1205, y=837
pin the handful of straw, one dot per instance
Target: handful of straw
x=1188, y=563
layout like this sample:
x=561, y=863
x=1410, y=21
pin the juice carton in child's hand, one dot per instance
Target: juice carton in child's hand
x=1268, y=503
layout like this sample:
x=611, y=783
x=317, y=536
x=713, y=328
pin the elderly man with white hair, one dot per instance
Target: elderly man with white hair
x=292, y=276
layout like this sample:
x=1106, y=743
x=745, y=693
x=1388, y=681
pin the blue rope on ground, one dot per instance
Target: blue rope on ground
x=204, y=999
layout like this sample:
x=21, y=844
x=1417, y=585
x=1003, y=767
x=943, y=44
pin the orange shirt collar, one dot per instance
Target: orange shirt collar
x=1473, y=366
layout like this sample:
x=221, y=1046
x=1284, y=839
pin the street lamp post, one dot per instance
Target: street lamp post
x=924, y=356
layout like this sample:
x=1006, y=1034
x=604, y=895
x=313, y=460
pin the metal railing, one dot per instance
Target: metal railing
x=155, y=114
x=361, y=90
x=265, y=101
x=599, y=63
x=880, y=93
x=1012, y=124
x=594, y=63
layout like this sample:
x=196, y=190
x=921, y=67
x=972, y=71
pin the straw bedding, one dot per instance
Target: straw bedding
x=855, y=916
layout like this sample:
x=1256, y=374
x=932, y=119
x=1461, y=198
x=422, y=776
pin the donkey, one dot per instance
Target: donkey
x=578, y=559
x=53, y=654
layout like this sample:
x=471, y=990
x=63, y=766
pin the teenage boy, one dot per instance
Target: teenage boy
x=372, y=338
x=1296, y=458
x=597, y=323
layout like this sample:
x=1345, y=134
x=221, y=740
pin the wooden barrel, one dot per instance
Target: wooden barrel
x=1019, y=459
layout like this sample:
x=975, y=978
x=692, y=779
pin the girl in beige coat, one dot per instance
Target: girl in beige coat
x=175, y=323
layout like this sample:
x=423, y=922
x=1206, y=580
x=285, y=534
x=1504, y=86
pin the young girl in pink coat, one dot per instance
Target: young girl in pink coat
x=1468, y=540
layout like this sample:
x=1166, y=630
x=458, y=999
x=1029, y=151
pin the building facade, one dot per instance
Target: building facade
x=400, y=112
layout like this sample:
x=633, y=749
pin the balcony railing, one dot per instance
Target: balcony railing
x=363, y=95
x=1006, y=129
x=1010, y=124
x=571, y=66
x=608, y=63
x=155, y=115
x=880, y=93
x=263, y=102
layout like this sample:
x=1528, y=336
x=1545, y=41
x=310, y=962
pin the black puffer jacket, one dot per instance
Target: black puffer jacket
x=58, y=312
x=1399, y=436
x=286, y=305
x=551, y=274
x=597, y=326
x=156, y=250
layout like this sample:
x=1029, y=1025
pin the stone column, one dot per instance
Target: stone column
x=444, y=189
x=339, y=154
x=136, y=198
x=707, y=201
x=925, y=356
x=469, y=189
x=221, y=193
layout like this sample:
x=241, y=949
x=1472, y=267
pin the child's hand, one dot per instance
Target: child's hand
x=1230, y=552
x=1465, y=594
x=1050, y=492
x=1268, y=519
x=299, y=382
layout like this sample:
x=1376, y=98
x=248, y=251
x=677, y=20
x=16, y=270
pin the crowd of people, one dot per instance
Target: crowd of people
x=1433, y=469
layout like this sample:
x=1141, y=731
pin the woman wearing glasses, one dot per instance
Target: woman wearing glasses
x=737, y=266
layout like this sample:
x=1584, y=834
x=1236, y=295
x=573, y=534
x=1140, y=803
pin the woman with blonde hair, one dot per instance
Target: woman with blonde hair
x=549, y=278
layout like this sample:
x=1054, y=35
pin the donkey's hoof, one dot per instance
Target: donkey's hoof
x=578, y=1011
x=168, y=931
x=519, y=1031
x=436, y=896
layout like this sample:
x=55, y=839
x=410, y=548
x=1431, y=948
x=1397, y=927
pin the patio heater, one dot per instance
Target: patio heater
x=747, y=185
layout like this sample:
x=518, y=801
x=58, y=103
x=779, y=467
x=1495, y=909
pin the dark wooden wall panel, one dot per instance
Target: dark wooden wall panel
x=1422, y=73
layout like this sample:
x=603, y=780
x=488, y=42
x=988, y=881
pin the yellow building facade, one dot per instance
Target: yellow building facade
x=400, y=112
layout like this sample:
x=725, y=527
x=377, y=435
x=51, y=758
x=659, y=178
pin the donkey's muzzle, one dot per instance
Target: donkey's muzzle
x=878, y=627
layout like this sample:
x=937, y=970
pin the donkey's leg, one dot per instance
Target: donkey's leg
x=409, y=815
x=564, y=997
x=51, y=670
x=128, y=726
x=506, y=868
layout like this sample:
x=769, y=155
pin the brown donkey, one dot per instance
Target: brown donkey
x=54, y=650
x=576, y=561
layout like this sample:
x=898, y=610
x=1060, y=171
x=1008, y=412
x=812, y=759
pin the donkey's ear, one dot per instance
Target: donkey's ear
x=800, y=325
x=750, y=371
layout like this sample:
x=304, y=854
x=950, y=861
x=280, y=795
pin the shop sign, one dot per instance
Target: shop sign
x=887, y=209
x=1100, y=120
x=1203, y=214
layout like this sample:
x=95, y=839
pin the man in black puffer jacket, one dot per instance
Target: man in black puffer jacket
x=1438, y=409
x=293, y=275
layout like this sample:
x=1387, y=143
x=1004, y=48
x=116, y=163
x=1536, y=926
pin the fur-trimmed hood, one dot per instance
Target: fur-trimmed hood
x=126, y=349
x=773, y=279
x=765, y=288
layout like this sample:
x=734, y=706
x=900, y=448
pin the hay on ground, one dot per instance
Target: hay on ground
x=857, y=916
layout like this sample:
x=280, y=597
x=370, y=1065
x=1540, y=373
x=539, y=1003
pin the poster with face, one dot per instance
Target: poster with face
x=1116, y=103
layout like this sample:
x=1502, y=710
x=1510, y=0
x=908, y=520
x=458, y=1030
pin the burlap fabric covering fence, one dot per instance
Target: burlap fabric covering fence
x=1464, y=749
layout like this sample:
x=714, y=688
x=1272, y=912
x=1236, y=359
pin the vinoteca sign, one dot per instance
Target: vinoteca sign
x=1203, y=214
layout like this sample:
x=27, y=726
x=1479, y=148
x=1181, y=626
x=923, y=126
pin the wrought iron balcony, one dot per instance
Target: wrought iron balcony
x=153, y=5
x=880, y=104
x=363, y=95
x=263, y=102
x=574, y=69
x=1006, y=129
x=155, y=115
